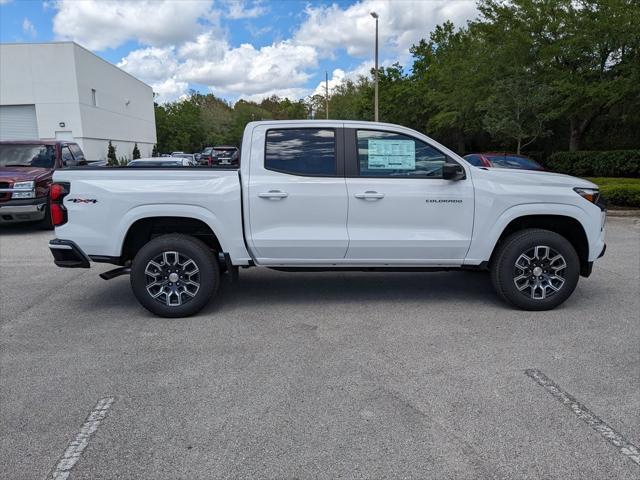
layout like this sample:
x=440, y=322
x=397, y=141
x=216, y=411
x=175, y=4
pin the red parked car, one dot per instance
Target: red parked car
x=502, y=160
x=26, y=168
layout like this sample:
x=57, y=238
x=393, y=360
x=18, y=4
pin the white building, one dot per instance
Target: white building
x=61, y=90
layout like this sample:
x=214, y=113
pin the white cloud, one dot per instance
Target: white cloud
x=150, y=64
x=28, y=28
x=108, y=24
x=293, y=94
x=339, y=75
x=242, y=71
x=183, y=43
x=237, y=9
x=401, y=24
x=211, y=45
x=169, y=90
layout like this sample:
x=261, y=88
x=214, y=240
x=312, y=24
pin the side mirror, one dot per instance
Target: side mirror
x=453, y=171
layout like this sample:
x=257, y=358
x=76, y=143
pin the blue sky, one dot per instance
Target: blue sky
x=233, y=48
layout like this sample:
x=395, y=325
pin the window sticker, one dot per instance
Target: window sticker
x=391, y=154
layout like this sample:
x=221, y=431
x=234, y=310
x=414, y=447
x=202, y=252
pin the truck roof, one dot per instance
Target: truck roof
x=324, y=122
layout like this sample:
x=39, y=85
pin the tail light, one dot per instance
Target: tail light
x=57, y=192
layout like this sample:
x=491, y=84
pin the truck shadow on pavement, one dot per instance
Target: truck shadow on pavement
x=322, y=289
x=268, y=288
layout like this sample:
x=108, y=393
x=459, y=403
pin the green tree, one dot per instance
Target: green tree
x=179, y=126
x=111, y=155
x=586, y=51
x=243, y=113
x=450, y=77
x=136, y=152
x=517, y=111
x=154, y=151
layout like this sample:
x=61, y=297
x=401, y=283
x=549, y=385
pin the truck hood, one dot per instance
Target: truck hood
x=533, y=177
x=23, y=174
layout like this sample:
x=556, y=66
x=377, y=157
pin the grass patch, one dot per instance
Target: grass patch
x=619, y=192
x=606, y=181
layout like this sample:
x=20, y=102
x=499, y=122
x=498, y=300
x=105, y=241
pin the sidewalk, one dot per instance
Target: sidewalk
x=623, y=213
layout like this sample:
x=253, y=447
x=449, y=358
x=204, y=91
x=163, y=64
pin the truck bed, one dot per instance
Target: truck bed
x=103, y=203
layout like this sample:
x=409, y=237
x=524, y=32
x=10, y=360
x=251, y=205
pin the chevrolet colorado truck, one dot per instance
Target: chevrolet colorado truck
x=328, y=195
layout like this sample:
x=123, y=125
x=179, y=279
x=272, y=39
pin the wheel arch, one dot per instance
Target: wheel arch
x=564, y=225
x=144, y=229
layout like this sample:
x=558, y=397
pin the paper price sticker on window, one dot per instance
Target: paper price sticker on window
x=391, y=154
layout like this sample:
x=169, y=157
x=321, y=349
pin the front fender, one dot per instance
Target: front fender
x=487, y=231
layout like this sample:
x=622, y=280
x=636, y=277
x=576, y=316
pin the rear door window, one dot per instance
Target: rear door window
x=301, y=151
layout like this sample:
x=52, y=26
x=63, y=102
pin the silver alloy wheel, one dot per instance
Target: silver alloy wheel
x=539, y=272
x=172, y=278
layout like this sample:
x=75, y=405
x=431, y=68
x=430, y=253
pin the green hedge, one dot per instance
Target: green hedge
x=614, y=163
x=621, y=195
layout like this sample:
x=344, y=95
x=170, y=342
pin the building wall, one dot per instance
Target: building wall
x=58, y=79
x=42, y=75
x=123, y=112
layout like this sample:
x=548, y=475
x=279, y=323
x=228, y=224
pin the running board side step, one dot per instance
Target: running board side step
x=116, y=272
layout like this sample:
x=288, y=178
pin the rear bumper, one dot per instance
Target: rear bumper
x=28, y=210
x=67, y=254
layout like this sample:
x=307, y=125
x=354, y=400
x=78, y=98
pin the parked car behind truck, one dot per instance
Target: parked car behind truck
x=26, y=168
x=223, y=155
x=317, y=195
x=502, y=160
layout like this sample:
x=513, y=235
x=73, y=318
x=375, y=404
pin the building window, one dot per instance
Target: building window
x=94, y=100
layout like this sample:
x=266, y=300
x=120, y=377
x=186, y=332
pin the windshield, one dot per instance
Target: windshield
x=512, y=161
x=16, y=155
x=224, y=153
x=182, y=155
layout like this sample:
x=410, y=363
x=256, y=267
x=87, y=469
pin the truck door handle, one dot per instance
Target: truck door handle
x=273, y=194
x=369, y=195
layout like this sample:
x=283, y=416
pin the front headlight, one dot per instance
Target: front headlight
x=590, y=194
x=24, y=190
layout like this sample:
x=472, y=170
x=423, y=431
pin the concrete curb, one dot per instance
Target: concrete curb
x=623, y=213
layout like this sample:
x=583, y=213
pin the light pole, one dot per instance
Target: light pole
x=375, y=15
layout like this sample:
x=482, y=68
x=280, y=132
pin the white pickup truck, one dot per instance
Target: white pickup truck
x=319, y=195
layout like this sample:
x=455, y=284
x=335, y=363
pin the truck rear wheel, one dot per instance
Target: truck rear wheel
x=535, y=269
x=174, y=275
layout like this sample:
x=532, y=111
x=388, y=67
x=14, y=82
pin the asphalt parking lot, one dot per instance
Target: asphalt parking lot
x=325, y=375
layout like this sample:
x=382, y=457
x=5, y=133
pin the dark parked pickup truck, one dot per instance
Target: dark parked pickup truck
x=26, y=168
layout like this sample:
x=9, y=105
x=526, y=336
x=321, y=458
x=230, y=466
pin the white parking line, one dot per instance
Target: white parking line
x=75, y=448
x=583, y=413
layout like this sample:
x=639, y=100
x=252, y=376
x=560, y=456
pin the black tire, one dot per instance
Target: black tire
x=46, y=223
x=517, y=248
x=187, y=247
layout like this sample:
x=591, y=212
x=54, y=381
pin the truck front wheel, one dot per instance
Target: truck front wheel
x=535, y=269
x=174, y=275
